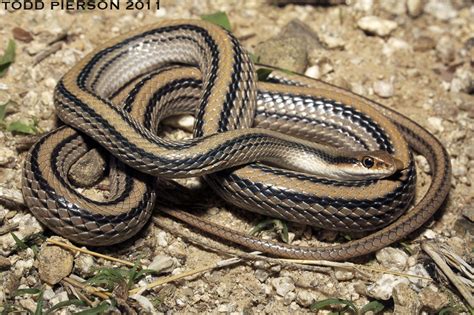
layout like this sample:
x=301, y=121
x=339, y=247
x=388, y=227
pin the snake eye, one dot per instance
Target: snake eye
x=367, y=161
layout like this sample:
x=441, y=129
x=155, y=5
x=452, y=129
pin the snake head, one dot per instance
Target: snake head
x=377, y=164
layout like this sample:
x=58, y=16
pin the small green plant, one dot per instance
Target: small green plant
x=39, y=303
x=8, y=308
x=18, y=125
x=276, y=225
x=112, y=278
x=219, y=18
x=347, y=307
x=23, y=244
x=8, y=57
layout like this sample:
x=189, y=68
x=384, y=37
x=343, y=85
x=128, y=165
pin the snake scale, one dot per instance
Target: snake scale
x=291, y=147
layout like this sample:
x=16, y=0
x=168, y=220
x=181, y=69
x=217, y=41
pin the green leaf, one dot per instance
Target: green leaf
x=447, y=310
x=21, y=127
x=328, y=302
x=99, y=309
x=62, y=304
x=219, y=18
x=8, y=57
x=374, y=306
x=19, y=243
x=26, y=291
x=39, y=304
x=254, y=58
x=110, y=278
x=3, y=111
x=263, y=225
x=263, y=73
x=276, y=225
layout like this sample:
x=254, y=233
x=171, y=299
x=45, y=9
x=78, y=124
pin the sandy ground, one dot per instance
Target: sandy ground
x=423, y=68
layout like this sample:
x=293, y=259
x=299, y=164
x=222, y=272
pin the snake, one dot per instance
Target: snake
x=289, y=147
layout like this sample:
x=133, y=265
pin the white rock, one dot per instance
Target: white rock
x=391, y=257
x=397, y=7
x=313, y=72
x=50, y=83
x=304, y=298
x=383, y=287
x=419, y=270
x=48, y=294
x=358, y=88
x=430, y=234
x=395, y=44
x=436, y=123
x=60, y=297
x=375, y=25
x=383, y=88
x=6, y=156
x=343, y=275
x=162, y=239
x=331, y=41
x=364, y=5
x=290, y=297
x=415, y=7
x=445, y=49
x=463, y=80
x=283, y=285
x=441, y=9
x=84, y=265
x=162, y=263
x=261, y=275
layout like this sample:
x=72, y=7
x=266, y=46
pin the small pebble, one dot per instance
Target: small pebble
x=390, y=257
x=60, y=297
x=395, y=7
x=343, y=275
x=441, y=9
x=162, y=263
x=84, y=265
x=463, y=80
x=445, y=49
x=54, y=263
x=382, y=288
x=406, y=300
x=4, y=263
x=7, y=156
x=364, y=5
x=436, y=123
x=433, y=301
x=376, y=25
x=162, y=239
x=261, y=275
x=304, y=298
x=332, y=42
x=419, y=270
x=424, y=43
x=48, y=294
x=283, y=285
x=430, y=234
x=415, y=7
x=313, y=72
x=383, y=88
x=22, y=35
x=289, y=297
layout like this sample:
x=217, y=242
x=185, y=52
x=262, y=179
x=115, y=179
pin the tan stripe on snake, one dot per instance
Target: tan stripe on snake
x=359, y=176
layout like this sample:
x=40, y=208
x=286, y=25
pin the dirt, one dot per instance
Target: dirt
x=423, y=69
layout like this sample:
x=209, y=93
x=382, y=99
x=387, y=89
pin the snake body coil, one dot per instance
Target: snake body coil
x=238, y=122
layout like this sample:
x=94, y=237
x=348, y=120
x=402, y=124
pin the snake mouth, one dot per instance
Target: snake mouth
x=399, y=166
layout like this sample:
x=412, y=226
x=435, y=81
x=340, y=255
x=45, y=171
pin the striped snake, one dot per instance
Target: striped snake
x=254, y=144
